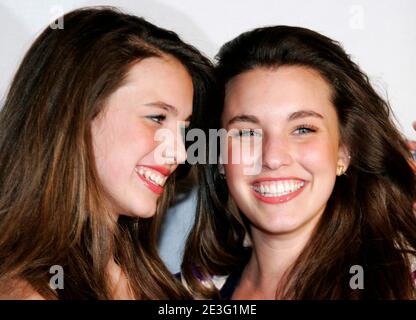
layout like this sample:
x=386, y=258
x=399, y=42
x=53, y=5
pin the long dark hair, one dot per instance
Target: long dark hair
x=369, y=218
x=52, y=208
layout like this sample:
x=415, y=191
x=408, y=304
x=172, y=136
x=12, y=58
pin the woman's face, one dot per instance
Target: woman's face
x=300, y=147
x=133, y=162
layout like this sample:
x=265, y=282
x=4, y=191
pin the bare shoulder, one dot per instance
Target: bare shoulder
x=18, y=290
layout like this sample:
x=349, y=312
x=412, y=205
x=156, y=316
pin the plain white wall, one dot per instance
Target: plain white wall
x=380, y=35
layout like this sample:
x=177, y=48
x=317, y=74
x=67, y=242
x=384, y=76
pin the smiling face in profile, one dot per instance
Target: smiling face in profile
x=156, y=94
x=300, y=146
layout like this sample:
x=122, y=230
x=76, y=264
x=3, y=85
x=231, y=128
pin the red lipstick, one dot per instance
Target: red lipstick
x=150, y=184
x=162, y=170
x=154, y=187
x=277, y=199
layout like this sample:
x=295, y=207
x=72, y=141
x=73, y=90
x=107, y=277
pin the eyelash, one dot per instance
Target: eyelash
x=303, y=127
x=159, y=118
x=243, y=133
x=309, y=128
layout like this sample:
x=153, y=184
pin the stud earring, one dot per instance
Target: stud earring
x=340, y=170
x=247, y=241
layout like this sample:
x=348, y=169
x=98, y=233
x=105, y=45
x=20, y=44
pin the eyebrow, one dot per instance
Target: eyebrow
x=304, y=114
x=167, y=107
x=243, y=118
x=293, y=116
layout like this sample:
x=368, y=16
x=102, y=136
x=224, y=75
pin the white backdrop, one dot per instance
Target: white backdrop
x=380, y=35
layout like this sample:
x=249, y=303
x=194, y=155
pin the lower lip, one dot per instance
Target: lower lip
x=279, y=199
x=154, y=187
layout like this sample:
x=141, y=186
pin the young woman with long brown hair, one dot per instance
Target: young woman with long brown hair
x=329, y=214
x=79, y=170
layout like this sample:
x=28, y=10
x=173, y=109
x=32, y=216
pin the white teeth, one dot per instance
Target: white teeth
x=287, y=186
x=152, y=175
x=278, y=188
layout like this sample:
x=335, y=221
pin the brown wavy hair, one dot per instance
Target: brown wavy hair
x=52, y=208
x=369, y=219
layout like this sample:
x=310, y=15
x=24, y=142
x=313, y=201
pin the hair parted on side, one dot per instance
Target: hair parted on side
x=369, y=219
x=52, y=205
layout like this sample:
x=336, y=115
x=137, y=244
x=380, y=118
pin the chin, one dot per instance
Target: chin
x=144, y=213
x=279, y=226
x=140, y=211
x=276, y=230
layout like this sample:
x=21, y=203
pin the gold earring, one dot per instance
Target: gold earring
x=247, y=241
x=340, y=170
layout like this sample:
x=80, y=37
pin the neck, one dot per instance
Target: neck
x=272, y=258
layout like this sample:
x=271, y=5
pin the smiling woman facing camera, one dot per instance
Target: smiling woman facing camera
x=79, y=162
x=329, y=213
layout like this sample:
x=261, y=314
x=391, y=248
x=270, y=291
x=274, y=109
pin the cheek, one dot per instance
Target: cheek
x=236, y=180
x=320, y=156
x=246, y=152
x=234, y=172
x=237, y=160
x=119, y=149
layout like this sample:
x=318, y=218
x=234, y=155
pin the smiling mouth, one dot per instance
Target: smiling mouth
x=277, y=191
x=152, y=178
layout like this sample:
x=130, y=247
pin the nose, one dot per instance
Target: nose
x=175, y=152
x=181, y=154
x=276, y=153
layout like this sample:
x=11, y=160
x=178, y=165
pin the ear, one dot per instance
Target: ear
x=344, y=157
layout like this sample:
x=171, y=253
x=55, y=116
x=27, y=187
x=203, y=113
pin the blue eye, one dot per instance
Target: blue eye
x=157, y=118
x=248, y=133
x=305, y=129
